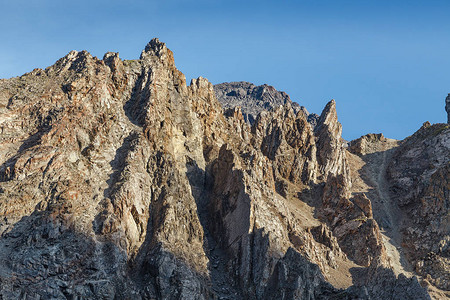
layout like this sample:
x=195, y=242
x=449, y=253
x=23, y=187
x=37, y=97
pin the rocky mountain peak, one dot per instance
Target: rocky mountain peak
x=253, y=99
x=78, y=61
x=447, y=108
x=157, y=49
x=328, y=116
x=119, y=181
x=328, y=132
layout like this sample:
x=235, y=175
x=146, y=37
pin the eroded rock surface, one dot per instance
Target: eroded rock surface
x=447, y=108
x=253, y=99
x=119, y=181
x=419, y=177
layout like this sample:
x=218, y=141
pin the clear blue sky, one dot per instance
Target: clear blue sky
x=387, y=63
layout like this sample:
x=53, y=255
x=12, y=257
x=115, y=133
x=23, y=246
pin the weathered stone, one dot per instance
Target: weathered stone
x=119, y=181
x=447, y=108
x=419, y=176
x=254, y=99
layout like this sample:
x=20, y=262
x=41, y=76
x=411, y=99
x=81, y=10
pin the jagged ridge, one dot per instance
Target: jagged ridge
x=254, y=99
x=117, y=180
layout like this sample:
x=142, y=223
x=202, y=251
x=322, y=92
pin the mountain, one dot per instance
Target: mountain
x=254, y=99
x=119, y=181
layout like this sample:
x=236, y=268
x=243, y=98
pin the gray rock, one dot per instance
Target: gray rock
x=447, y=108
x=119, y=181
x=253, y=99
x=419, y=178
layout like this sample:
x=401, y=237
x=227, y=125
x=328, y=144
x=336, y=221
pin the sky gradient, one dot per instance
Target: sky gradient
x=386, y=63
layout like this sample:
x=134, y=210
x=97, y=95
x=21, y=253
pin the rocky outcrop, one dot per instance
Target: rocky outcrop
x=254, y=99
x=119, y=181
x=331, y=152
x=369, y=143
x=403, y=180
x=122, y=141
x=358, y=234
x=286, y=138
x=447, y=108
x=419, y=174
x=379, y=282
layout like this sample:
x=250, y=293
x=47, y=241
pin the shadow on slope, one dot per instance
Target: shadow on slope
x=44, y=257
x=221, y=279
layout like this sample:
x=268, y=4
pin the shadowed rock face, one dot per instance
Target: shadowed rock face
x=119, y=181
x=447, y=108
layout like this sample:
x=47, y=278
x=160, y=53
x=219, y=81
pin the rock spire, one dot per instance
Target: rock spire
x=447, y=108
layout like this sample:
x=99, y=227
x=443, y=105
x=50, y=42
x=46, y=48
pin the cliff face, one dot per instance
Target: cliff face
x=119, y=181
x=419, y=178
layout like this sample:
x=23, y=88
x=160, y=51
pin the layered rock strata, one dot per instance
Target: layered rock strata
x=119, y=181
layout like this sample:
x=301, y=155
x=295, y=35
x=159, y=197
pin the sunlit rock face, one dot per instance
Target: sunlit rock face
x=120, y=181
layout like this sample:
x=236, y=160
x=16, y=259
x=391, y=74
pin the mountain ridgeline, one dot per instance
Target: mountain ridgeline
x=120, y=181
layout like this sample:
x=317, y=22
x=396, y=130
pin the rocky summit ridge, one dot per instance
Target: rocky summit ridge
x=120, y=181
x=254, y=99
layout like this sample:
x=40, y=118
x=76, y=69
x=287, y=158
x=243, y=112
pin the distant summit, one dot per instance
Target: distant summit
x=253, y=99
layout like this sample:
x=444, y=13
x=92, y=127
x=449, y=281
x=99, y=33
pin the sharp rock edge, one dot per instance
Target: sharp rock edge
x=120, y=181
